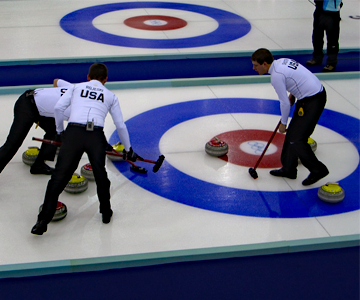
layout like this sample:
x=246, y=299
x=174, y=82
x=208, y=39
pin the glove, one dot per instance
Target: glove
x=59, y=137
x=292, y=99
x=129, y=155
x=109, y=148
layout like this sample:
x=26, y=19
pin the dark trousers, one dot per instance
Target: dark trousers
x=301, y=127
x=328, y=22
x=76, y=140
x=25, y=115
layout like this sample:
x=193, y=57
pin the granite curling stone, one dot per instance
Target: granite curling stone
x=77, y=184
x=331, y=192
x=60, y=213
x=216, y=147
x=30, y=155
x=312, y=144
x=118, y=147
x=87, y=172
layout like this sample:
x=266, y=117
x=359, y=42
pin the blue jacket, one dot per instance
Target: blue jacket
x=328, y=5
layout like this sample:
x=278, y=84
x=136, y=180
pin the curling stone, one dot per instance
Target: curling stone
x=331, y=192
x=87, y=172
x=216, y=147
x=312, y=144
x=118, y=147
x=77, y=184
x=30, y=155
x=60, y=213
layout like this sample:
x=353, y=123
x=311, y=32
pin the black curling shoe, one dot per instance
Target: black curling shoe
x=106, y=218
x=282, y=173
x=41, y=169
x=39, y=228
x=315, y=177
x=313, y=62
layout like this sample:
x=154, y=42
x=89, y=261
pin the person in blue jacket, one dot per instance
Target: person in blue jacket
x=326, y=19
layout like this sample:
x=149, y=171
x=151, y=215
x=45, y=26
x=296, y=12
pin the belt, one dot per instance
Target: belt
x=30, y=95
x=84, y=126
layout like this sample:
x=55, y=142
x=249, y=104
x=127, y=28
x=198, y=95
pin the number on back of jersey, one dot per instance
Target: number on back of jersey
x=62, y=92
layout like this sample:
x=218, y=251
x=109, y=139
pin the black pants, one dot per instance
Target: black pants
x=25, y=115
x=301, y=127
x=76, y=141
x=328, y=22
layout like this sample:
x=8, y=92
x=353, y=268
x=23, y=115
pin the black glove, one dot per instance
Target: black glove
x=292, y=100
x=59, y=137
x=109, y=148
x=129, y=155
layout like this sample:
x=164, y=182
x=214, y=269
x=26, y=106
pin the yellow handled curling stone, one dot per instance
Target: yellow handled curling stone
x=331, y=192
x=77, y=184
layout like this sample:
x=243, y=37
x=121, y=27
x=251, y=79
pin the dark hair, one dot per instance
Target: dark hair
x=261, y=55
x=98, y=71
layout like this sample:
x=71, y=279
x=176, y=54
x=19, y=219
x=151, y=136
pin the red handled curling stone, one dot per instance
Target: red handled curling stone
x=216, y=147
x=77, y=184
x=30, y=155
x=87, y=172
x=60, y=213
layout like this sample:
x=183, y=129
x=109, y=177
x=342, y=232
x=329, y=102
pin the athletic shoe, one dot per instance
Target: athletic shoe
x=282, y=173
x=39, y=228
x=41, y=169
x=329, y=68
x=315, y=177
x=313, y=62
x=106, y=218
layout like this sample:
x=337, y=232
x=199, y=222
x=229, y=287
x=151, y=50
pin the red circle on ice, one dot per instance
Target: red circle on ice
x=154, y=22
x=246, y=146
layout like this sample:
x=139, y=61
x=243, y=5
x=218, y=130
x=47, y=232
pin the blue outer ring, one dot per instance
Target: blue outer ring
x=172, y=184
x=79, y=24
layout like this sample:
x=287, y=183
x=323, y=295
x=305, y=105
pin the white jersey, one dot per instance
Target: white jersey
x=90, y=102
x=289, y=76
x=62, y=83
x=46, y=98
